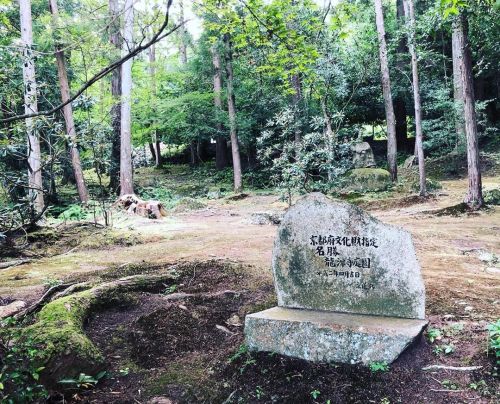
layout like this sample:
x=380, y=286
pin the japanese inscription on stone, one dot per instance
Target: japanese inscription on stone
x=333, y=256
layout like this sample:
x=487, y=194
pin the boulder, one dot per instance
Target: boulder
x=362, y=155
x=368, y=180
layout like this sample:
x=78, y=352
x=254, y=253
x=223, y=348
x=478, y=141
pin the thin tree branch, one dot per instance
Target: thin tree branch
x=104, y=72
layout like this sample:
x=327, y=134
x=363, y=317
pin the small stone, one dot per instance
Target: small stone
x=234, y=320
x=160, y=400
x=12, y=309
x=468, y=308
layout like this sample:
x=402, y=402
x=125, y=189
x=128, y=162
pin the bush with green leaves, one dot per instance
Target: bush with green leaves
x=19, y=369
x=315, y=163
x=494, y=343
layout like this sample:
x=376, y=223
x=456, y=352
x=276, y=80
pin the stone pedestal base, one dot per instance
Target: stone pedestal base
x=321, y=336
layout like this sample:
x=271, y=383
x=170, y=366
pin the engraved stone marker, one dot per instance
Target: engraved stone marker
x=349, y=287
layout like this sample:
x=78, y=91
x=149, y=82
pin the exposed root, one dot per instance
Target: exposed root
x=59, y=328
x=444, y=367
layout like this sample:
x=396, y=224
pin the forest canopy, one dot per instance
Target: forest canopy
x=281, y=89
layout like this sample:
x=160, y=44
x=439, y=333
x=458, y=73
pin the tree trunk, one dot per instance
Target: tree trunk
x=297, y=104
x=116, y=92
x=386, y=89
x=35, y=184
x=399, y=101
x=410, y=17
x=152, y=151
x=235, y=150
x=68, y=109
x=474, y=196
x=126, y=185
x=152, y=71
x=458, y=95
x=183, y=33
x=221, y=158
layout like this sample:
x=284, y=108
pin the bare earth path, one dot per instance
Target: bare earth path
x=448, y=247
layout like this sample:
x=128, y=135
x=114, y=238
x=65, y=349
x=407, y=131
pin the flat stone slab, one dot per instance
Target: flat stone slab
x=321, y=336
x=333, y=256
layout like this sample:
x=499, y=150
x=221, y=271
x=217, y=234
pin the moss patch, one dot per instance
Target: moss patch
x=368, y=180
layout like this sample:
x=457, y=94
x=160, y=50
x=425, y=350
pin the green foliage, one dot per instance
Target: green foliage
x=446, y=349
x=315, y=163
x=449, y=384
x=379, y=367
x=74, y=212
x=492, y=197
x=243, y=356
x=315, y=394
x=434, y=334
x=494, y=343
x=83, y=381
x=19, y=366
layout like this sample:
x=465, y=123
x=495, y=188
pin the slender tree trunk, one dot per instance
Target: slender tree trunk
x=386, y=89
x=68, y=110
x=152, y=70
x=183, y=33
x=297, y=104
x=35, y=184
x=474, y=196
x=152, y=151
x=126, y=184
x=116, y=92
x=410, y=17
x=221, y=158
x=399, y=101
x=458, y=95
x=235, y=150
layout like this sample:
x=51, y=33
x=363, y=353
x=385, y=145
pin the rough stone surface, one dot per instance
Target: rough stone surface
x=333, y=256
x=330, y=337
x=263, y=218
x=368, y=180
x=12, y=309
x=362, y=155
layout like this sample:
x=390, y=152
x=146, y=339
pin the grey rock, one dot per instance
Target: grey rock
x=12, y=309
x=334, y=256
x=330, y=337
x=263, y=218
x=362, y=155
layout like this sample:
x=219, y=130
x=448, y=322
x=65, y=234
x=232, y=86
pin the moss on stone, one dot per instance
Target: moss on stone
x=368, y=179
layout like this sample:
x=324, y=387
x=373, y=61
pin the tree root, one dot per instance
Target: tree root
x=444, y=367
x=15, y=263
x=66, y=350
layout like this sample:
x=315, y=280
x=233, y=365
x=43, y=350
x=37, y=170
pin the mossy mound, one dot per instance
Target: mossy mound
x=65, y=349
x=430, y=184
x=187, y=204
x=368, y=180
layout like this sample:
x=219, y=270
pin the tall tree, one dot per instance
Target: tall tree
x=155, y=145
x=126, y=179
x=399, y=100
x=221, y=158
x=474, y=196
x=68, y=109
x=35, y=184
x=458, y=94
x=386, y=89
x=116, y=92
x=231, y=107
x=410, y=18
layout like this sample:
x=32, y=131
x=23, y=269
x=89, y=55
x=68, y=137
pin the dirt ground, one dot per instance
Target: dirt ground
x=185, y=348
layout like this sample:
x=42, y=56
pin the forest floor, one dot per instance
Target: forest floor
x=190, y=349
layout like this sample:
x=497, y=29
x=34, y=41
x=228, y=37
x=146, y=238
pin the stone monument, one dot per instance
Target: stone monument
x=349, y=287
